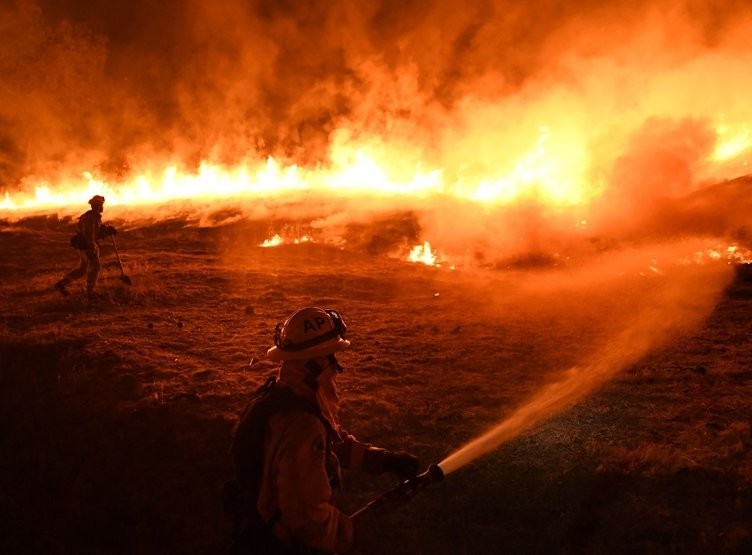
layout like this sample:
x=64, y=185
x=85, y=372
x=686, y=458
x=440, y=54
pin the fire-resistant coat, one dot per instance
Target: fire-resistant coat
x=302, y=458
x=88, y=227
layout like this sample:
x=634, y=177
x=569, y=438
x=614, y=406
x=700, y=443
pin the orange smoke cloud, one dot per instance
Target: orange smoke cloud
x=526, y=119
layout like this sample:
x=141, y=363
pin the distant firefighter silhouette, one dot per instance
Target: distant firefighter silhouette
x=89, y=230
x=288, y=447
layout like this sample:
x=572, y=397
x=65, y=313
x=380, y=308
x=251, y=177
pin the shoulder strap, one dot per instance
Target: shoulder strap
x=80, y=222
x=250, y=431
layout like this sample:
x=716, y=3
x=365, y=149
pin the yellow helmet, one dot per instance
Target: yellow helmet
x=308, y=333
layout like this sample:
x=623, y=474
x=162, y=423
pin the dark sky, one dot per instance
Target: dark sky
x=124, y=79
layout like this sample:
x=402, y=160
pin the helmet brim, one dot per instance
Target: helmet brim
x=336, y=345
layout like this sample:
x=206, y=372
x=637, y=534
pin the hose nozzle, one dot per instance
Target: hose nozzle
x=432, y=474
x=403, y=492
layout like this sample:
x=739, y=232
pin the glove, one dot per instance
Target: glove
x=400, y=463
x=107, y=230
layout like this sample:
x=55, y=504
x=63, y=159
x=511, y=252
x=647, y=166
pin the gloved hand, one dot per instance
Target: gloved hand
x=107, y=230
x=400, y=463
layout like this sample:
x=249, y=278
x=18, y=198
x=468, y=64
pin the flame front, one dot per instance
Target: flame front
x=539, y=174
x=553, y=175
x=493, y=135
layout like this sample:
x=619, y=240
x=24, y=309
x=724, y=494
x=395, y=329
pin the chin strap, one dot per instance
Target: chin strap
x=314, y=371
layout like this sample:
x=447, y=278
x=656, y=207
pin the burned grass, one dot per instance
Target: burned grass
x=116, y=421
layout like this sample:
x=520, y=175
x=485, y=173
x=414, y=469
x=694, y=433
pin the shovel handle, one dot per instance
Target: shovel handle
x=123, y=277
x=117, y=254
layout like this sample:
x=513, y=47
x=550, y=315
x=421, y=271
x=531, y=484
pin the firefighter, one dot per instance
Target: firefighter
x=288, y=446
x=89, y=230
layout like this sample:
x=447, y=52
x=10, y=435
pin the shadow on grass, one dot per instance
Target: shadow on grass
x=90, y=467
x=85, y=472
x=498, y=506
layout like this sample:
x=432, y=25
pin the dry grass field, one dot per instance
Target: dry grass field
x=115, y=421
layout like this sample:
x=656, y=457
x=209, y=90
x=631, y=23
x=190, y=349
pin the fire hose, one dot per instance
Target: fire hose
x=402, y=493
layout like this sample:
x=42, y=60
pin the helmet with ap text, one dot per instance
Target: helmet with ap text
x=308, y=333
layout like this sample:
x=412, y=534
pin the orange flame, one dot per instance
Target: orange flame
x=353, y=172
x=493, y=146
x=277, y=240
x=423, y=254
x=556, y=170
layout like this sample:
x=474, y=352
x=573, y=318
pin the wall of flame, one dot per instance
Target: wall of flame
x=545, y=115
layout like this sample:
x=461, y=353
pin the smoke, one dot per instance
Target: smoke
x=673, y=304
x=274, y=76
x=566, y=112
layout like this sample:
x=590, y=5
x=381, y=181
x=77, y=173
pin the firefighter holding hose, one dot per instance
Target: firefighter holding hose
x=288, y=447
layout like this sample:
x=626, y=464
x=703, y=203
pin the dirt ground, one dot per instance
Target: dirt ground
x=115, y=422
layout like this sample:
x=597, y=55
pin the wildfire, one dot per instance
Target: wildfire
x=539, y=174
x=553, y=174
x=423, y=254
x=277, y=240
x=734, y=254
x=554, y=171
x=491, y=145
x=731, y=254
x=732, y=142
x=274, y=241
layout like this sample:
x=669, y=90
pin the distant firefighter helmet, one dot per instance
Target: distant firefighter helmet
x=308, y=333
x=96, y=200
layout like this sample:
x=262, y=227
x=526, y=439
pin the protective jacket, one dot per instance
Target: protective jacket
x=303, y=451
x=88, y=228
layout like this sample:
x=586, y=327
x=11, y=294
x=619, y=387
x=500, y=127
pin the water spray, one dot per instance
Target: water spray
x=652, y=325
x=554, y=398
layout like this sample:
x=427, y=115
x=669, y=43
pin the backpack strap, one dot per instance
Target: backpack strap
x=247, y=450
x=247, y=447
